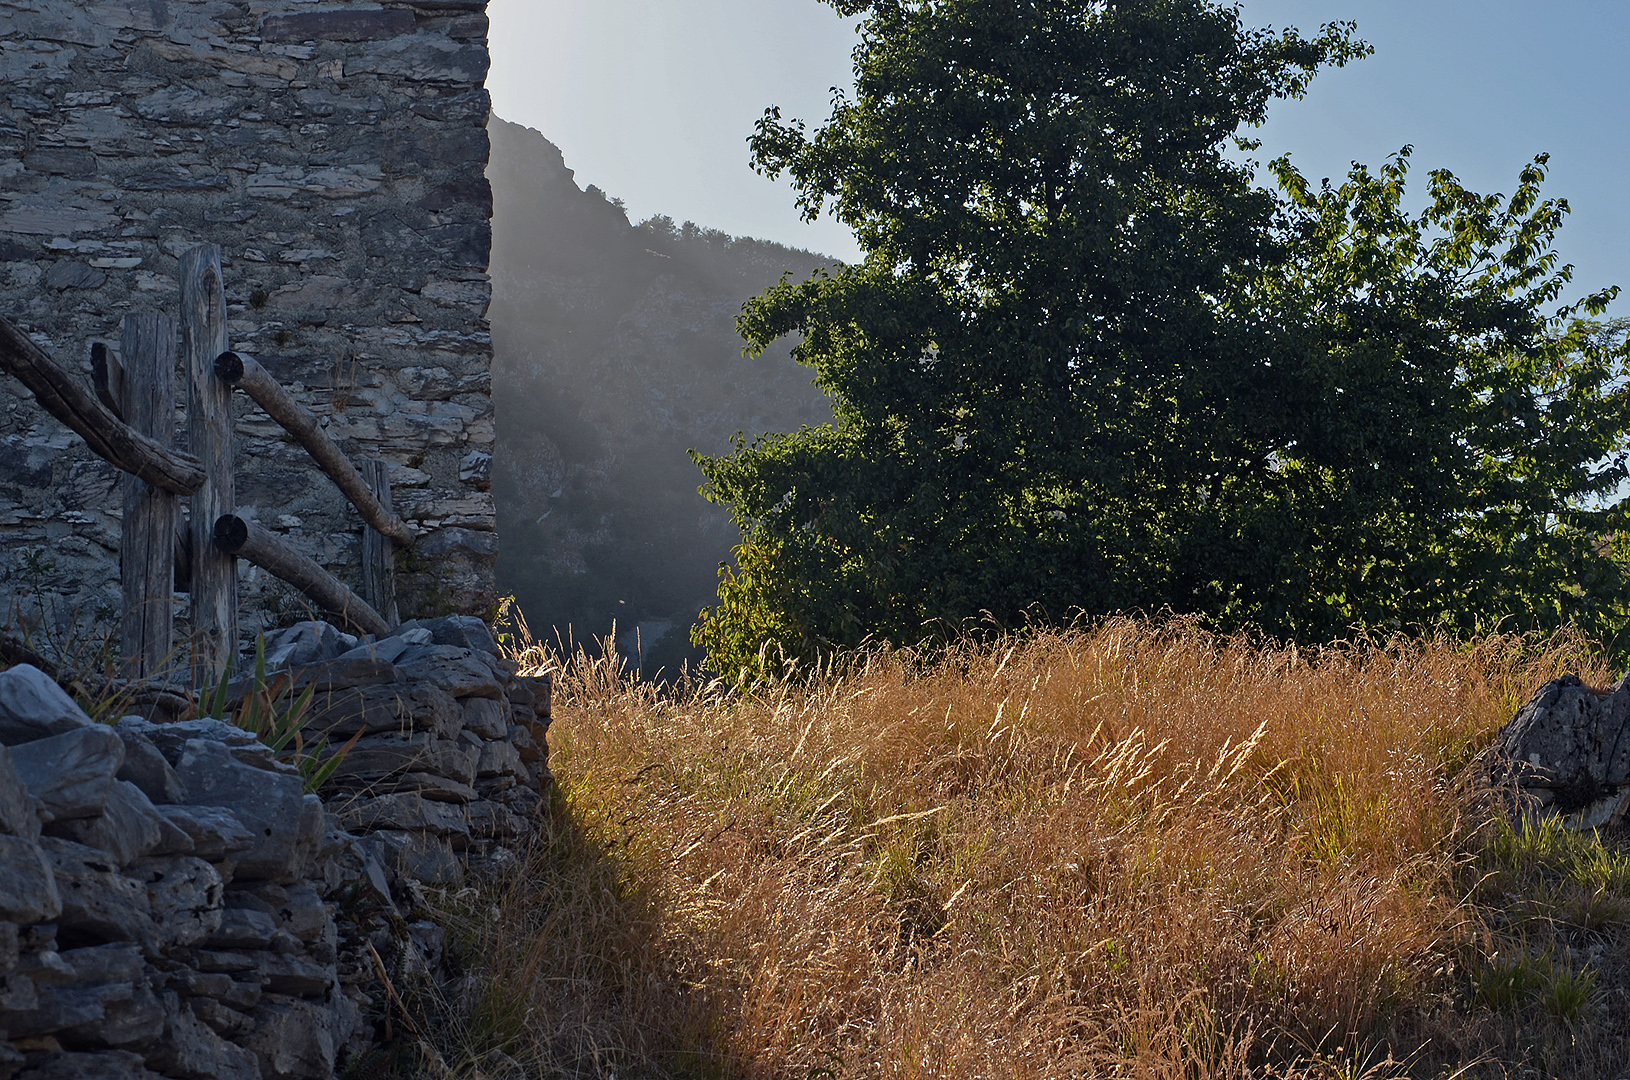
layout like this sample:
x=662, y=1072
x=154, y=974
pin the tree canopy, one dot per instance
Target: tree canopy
x=1089, y=363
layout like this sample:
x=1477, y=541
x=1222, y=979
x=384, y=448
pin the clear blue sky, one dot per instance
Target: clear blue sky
x=652, y=100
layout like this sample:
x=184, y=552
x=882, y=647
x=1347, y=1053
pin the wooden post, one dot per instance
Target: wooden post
x=209, y=431
x=246, y=540
x=145, y=396
x=64, y=396
x=378, y=553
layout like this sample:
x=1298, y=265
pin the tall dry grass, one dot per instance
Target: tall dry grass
x=1133, y=850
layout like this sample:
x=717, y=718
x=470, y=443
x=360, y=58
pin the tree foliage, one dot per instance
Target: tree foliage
x=1088, y=363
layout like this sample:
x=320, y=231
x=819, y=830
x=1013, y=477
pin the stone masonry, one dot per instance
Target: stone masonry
x=336, y=151
x=174, y=903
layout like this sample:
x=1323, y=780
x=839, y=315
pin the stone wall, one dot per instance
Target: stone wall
x=336, y=151
x=174, y=904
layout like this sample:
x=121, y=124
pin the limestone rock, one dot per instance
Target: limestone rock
x=97, y=899
x=17, y=817
x=403, y=813
x=192, y=1049
x=415, y=856
x=33, y=706
x=243, y=928
x=185, y=895
x=294, y=1040
x=28, y=886
x=380, y=756
x=1567, y=751
x=487, y=717
x=145, y=765
x=455, y=670
x=270, y=805
x=214, y=831
x=72, y=773
x=104, y=1001
x=172, y=739
x=127, y=828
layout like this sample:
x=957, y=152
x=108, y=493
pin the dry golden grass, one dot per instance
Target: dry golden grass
x=1132, y=850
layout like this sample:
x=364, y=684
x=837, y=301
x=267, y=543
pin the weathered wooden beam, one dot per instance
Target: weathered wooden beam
x=147, y=538
x=241, y=369
x=64, y=397
x=209, y=433
x=239, y=537
x=378, y=554
x=108, y=378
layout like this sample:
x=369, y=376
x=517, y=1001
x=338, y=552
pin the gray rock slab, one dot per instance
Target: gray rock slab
x=457, y=671
x=185, y=894
x=72, y=773
x=487, y=717
x=295, y=976
x=190, y=1048
x=33, y=706
x=97, y=899
x=214, y=832
x=127, y=828
x=270, y=805
x=403, y=813
x=500, y=759
x=106, y=1002
x=494, y=821
x=377, y=757
x=243, y=928
x=28, y=885
x=294, y=1040
x=417, y=857
x=172, y=739
x=145, y=765
x=17, y=816
x=397, y=707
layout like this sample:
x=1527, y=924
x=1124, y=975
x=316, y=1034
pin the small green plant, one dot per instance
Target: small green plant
x=1567, y=992
x=1507, y=982
x=267, y=711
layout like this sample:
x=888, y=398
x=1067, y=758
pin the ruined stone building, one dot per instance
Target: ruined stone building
x=336, y=151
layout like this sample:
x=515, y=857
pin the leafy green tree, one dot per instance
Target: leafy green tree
x=1087, y=363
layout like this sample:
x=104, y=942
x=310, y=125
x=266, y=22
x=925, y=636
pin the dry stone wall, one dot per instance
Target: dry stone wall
x=336, y=150
x=174, y=904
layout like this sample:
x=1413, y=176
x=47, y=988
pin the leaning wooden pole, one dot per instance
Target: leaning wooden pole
x=67, y=399
x=241, y=369
x=209, y=430
x=146, y=399
x=241, y=538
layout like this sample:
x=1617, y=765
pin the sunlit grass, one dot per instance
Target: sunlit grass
x=1134, y=850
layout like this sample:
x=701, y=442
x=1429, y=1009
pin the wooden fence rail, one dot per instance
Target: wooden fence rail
x=126, y=417
x=61, y=395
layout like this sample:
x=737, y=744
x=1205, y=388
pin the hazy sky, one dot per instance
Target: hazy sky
x=653, y=101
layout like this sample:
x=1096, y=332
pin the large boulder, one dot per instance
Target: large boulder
x=33, y=706
x=1567, y=752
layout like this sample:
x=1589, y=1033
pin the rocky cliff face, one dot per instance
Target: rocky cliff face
x=616, y=355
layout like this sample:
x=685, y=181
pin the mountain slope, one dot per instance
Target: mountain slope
x=616, y=354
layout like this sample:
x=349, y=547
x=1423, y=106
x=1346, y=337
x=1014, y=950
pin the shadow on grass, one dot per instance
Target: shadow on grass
x=566, y=966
